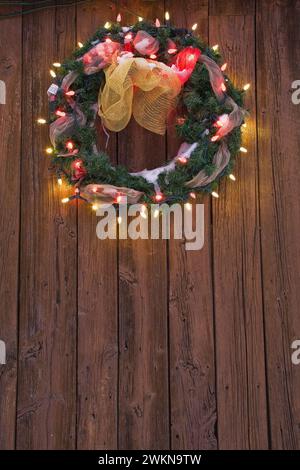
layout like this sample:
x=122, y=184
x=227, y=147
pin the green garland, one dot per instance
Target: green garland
x=197, y=102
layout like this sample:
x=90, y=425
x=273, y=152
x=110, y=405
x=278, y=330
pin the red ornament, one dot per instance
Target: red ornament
x=78, y=170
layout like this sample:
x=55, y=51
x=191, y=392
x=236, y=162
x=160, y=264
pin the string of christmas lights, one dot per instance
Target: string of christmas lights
x=221, y=121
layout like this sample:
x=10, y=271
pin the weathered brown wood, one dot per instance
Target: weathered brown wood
x=97, y=300
x=10, y=141
x=192, y=371
x=231, y=7
x=47, y=328
x=143, y=380
x=241, y=390
x=61, y=274
x=278, y=57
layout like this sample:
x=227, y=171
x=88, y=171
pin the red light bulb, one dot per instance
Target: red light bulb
x=158, y=197
x=182, y=159
x=70, y=145
x=60, y=113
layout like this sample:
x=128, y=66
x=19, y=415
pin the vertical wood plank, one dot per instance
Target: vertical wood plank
x=47, y=330
x=10, y=140
x=278, y=58
x=241, y=389
x=192, y=370
x=143, y=380
x=231, y=7
x=97, y=299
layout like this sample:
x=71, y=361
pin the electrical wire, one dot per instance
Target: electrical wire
x=41, y=5
x=39, y=8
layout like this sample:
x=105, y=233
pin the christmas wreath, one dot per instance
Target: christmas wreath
x=145, y=71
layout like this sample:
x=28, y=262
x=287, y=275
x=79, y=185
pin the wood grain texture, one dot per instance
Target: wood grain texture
x=47, y=329
x=10, y=142
x=188, y=326
x=192, y=371
x=143, y=379
x=231, y=7
x=241, y=388
x=278, y=57
x=97, y=299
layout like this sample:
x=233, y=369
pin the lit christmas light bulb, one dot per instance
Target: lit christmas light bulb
x=59, y=181
x=144, y=214
x=232, y=177
x=108, y=40
x=223, y=87
x=224, y=67
x=215, y=48
x=128, y=36
x=119, y=18
x=214, y=194
x=65, y=200
x=60, y=113
x=243, y=150
x=120, y=199
x=172, y=51
x=195, y=26
x=158, y=197
x=182, y=159
x=188, y=206
x=52, y=73
x=77, y=164
x=70, y=93
x=156, y=213
x=56, y=64
x=153, y=56
x=140, y=18
x=246, y=87
x=244, y=125
x=79, y=44
x=95, y=207
x=222, y=120
x=70, y=145
x=157, y=23
x=119, y=220
x=41, y=121
x=167, y=16
x=193, y=195
x=107, y=25
x=215, y=138
x=49, y=150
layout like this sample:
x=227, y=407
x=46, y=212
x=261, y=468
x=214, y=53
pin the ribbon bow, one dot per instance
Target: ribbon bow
x=139, y=87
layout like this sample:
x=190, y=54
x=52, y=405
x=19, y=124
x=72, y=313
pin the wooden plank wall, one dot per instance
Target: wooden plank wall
x=142, y=344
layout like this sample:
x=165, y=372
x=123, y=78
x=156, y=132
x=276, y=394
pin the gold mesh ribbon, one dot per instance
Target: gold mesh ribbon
x=148, y=90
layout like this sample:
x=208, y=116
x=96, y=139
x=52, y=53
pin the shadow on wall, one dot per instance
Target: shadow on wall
x=2, y=92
